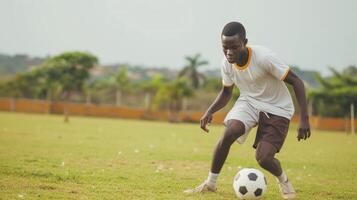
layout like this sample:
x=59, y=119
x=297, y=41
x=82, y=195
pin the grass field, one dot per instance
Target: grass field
x=97, y=158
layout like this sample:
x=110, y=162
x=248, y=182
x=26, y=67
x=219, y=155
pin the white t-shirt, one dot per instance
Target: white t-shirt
x=260, y=81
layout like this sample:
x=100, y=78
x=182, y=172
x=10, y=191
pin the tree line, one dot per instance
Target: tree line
x=67, y=77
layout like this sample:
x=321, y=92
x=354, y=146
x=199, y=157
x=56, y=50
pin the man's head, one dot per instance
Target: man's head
x=233, y=41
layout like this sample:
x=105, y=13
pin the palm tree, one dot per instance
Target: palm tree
x=150, y=88
x=190, y=70
x=122, y=84
x=171, y=95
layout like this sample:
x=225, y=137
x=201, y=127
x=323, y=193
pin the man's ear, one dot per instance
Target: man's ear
x=245, y=41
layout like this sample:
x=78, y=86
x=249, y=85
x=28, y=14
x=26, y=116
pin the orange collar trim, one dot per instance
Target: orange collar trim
x=247, y=64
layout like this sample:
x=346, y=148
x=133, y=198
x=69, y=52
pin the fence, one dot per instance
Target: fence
x=41, y=106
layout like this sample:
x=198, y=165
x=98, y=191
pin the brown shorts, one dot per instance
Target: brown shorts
x=272, y=129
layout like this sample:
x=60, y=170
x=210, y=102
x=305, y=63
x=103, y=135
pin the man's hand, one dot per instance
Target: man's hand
x=304, y=129
x=206, y=119
x=299, y=89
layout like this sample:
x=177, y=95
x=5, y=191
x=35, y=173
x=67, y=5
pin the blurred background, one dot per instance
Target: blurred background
x=161, y=60
x=101, y=99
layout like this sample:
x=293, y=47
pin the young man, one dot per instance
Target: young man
x=264, y=102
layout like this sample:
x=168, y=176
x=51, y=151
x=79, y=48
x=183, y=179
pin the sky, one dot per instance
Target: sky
x=312, y=34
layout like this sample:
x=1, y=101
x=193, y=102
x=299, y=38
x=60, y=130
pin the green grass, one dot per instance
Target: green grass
x=97, y=158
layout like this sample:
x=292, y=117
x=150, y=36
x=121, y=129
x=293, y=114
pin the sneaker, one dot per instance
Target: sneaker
x=287, y=190
x=204, y=187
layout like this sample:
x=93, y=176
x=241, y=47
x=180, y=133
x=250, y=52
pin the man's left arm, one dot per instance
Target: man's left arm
x=299, y=89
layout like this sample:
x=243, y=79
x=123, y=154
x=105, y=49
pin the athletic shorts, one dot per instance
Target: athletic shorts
x=271, y=128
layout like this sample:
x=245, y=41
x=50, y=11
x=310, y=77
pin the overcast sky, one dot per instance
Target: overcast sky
x=312, y=34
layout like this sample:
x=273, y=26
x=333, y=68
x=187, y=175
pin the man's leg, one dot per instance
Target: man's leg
x=265, y=155
x=233, y=131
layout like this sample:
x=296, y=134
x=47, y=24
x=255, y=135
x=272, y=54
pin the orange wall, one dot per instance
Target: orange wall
x=5, y=104
x=40, y=106
x=33, y=106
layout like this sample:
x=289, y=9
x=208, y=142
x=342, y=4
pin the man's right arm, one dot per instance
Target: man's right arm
x=222, y=99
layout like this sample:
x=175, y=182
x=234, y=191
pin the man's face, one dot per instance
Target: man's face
x=233, y=47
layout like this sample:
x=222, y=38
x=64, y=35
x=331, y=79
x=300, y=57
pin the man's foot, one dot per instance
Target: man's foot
x=287, y=190
x=204, y=187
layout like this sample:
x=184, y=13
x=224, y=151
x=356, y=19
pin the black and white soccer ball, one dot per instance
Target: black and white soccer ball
x=249, y=184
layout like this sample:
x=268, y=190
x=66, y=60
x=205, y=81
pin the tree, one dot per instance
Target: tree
x=11, y=65
x=151, y=87
x=121, y=83
x=350, y=71
x=101, y=90
x=213, y=85
x=190, y=70
x=335, y=96
x=87, y=89
x=70, y=70
x=171, y=94
x=25, y=85
x=49, y=82
x=57, y=76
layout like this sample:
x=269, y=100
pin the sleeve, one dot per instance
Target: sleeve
x=226, y=79
x=276, y=67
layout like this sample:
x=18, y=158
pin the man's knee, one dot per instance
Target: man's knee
x=233, y=131
x=228, y=138
x=264, y=160
x=265, y=154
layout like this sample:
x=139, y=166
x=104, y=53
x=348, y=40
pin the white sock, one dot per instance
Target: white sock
x=212, y=179
x=282, y=178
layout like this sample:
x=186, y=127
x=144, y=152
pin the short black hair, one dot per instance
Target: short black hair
x=233, y=28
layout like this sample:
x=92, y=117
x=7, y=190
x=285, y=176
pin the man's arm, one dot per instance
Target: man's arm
x=299, y=89
x=222, y=99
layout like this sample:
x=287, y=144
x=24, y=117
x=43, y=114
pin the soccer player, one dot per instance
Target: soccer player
x=264, y=101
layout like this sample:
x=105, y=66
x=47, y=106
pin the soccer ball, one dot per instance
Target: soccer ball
x=249, y=184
